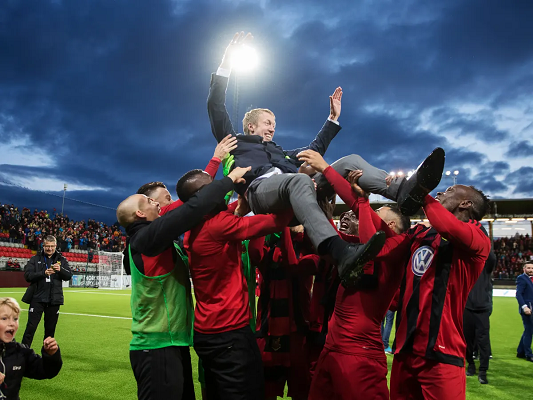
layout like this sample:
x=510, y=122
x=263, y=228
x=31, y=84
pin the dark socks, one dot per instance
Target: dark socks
x=334, y=246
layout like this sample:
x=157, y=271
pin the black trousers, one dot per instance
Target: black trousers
x=232, y=365
x=35, y=312
x=476, y=327
x=163, y=374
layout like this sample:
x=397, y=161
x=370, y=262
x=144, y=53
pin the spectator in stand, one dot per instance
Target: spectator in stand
x=9, y=263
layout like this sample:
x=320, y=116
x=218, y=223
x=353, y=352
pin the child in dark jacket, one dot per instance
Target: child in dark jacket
x=17, y=360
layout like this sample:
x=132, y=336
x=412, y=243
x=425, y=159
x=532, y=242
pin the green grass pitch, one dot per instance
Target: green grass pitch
x=96, y=361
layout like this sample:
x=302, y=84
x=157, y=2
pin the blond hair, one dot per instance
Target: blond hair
x=11, y=303
x=251, y=118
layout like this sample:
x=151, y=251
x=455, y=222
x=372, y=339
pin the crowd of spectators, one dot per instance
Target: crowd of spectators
x=511, y=253
x=29, y=228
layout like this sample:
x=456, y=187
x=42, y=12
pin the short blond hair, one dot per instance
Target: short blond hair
x=251, y=118
x=11, y=303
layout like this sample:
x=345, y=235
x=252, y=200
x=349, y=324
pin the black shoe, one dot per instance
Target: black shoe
x=356, y=256
x=482, y=378
x=520, y=355
x=471, y=370
x=426, y=178
x=529, y=358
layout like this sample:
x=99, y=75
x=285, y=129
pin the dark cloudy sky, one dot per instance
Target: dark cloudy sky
x=108, y=95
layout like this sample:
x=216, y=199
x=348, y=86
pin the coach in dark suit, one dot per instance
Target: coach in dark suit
x=46, y=272
x=524, y=295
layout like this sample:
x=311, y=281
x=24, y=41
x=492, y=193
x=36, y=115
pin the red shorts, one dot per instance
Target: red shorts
x=296, y=376
x=415, y=377
x=341, y=376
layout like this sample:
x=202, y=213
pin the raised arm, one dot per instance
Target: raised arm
x=467, y=235
x=216, y=101
x=329, y=130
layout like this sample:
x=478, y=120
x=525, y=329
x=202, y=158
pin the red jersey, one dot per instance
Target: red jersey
x=214, y=248
x=445, y=262
x=355, y=325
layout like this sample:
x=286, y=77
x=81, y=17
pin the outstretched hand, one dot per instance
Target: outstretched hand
x=353, y=178
x=237, y=174
x=314, y=159
x=50, y=345
x=239, y=39
x=335, y=104
x=226, y=145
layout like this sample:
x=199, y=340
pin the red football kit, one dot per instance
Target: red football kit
x=446, y=260
x=214, y=248
x=283, y=314
x=353, y=364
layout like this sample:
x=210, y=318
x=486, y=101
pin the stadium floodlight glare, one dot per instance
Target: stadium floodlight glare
x=456, y=172
x=400, y=173
x=448, y=173
x=245, y=59
x=392, y=173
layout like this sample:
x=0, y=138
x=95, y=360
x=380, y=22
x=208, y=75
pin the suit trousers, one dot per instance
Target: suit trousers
x=280, y=192
x=524, y=347
x=372, y=180
x=476, y=326
x=35, y=312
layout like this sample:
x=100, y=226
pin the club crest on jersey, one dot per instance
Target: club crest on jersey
x=422, y=260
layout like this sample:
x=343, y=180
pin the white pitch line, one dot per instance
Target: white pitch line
x=87, y=291
x=89, y=315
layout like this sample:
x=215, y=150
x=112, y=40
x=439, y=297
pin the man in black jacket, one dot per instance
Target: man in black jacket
x=161, y=301
x=273, y=183
x=46, y=272
x=476, y=323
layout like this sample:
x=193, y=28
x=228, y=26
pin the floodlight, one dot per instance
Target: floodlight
x=448, y=173
x=244, y=58
x=456, y=172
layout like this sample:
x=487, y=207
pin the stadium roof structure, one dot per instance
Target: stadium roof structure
x=502, y=210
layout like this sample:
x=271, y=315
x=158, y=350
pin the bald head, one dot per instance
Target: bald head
x=135, y=208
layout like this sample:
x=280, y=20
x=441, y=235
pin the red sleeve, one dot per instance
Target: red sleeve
x=371, y=222
x=230, y=227
x=256, y=250
x=170, y=207
x=212, y=167
x=467, y=235
x=342, y=187
x=233, y=206
x=394, y=303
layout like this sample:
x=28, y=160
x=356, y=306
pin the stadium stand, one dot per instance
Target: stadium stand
x=22, y=232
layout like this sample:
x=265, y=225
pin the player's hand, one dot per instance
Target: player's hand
x=226, y=145
x=335, y=104
x=243, y=207
x=353, y=178
x=50, y=345
x=527, y=311
x=49, y=271
x=239, y=39
x=237, y=174
x=57, y=266
x=2, y=376
x=314, y=159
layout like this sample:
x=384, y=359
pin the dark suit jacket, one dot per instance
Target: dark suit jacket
x=524, y=291
x=251, y=150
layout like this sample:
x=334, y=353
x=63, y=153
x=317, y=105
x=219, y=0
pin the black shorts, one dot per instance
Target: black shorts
x=232, y=365
x=163, y=374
